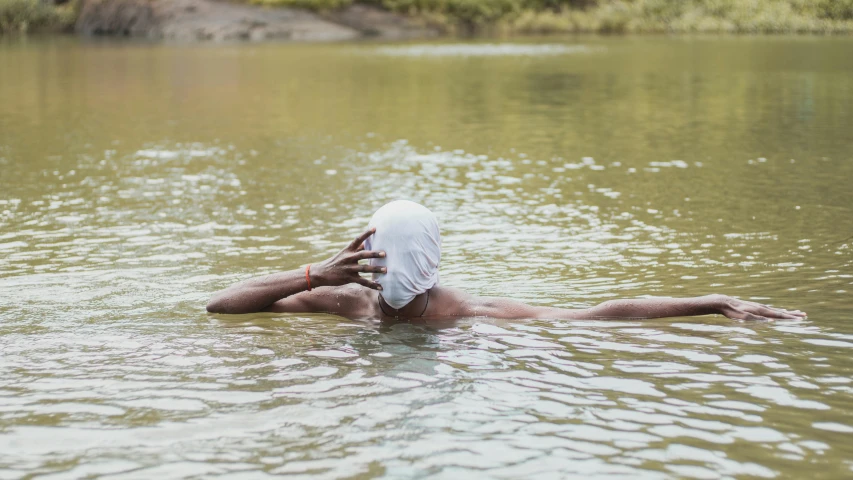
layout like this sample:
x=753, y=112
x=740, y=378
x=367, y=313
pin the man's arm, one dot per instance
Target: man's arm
x=644, y=308
x=263, y=293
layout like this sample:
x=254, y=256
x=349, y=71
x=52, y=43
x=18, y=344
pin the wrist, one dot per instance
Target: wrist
x=317, y=275
x=717, y=302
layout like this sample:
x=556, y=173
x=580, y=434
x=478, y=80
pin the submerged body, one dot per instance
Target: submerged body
x=405, y=285
x=359, y=302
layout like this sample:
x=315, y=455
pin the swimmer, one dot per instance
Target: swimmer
x=402, y=247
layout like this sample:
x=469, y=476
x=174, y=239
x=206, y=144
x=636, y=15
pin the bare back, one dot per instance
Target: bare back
x=358, y=302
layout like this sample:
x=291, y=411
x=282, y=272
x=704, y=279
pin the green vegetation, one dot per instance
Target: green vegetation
x=685, y=16
x=35, y=15
x=538, y=16
x=617, y=16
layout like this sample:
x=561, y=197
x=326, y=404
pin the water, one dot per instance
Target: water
x=137, y=179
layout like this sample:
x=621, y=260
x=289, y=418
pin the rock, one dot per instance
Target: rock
x=197, y=20
x=200, y=20
x=123, y=17
x=373, y=21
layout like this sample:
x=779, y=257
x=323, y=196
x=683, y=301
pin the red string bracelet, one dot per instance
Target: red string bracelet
x=307, y=277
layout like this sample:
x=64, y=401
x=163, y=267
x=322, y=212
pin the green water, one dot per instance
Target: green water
x=137, y=179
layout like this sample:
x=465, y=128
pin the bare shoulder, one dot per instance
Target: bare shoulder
x=348, y=300
x=352, y=299
x=455, y=302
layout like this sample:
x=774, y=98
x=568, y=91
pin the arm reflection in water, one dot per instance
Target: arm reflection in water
x=402, y=247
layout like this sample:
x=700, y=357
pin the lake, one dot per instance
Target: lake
x=137, y=179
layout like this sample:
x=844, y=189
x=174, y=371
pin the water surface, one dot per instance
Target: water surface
x=137, y=179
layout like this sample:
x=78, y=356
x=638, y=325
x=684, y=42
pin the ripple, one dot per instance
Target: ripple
x=482, y=50
x=557, y=182
x=833, y=427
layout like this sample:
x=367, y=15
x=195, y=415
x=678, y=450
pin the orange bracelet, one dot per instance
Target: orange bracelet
x=307, y=277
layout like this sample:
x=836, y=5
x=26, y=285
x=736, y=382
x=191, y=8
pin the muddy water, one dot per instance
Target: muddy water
x=137, y=179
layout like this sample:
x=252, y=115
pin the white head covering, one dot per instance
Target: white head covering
x=408, y=234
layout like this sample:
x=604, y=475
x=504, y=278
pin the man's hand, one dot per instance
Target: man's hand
x=743, y=310
x=344, y=268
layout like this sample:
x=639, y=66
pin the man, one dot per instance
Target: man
x=403, y=249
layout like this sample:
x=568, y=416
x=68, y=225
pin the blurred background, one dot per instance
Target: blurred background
x=142, y=169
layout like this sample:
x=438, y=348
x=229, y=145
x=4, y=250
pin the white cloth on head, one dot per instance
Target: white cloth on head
x=408, y=234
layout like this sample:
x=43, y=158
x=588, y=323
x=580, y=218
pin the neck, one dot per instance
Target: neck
x=415, y=308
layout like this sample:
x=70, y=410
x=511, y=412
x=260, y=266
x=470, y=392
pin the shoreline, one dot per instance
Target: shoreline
x=308, y=21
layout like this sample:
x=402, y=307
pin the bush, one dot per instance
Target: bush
x=620, y=16
x=685, y=16
x=835, y=9
x=35, y=15
x=539, y=16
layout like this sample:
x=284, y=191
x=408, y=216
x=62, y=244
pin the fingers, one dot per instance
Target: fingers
x=796, y=313
x=365, y=254
x=369, y=269
x=752, y=311
x=360, y=239
x=751, y=317
x=369, y=283
x=761, y=314
x=745, y=315
x=774, y=313
x=784, y=316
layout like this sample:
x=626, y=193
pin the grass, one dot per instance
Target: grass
x=539, y=16
x=617, y=16
x=693, y=16
x=21, y=16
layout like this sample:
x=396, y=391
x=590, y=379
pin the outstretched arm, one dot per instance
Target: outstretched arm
x=259, y=294
x=639, y=309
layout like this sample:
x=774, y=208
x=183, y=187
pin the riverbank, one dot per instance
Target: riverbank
x=618, y=16
x=206, y=20
x=330, y=20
